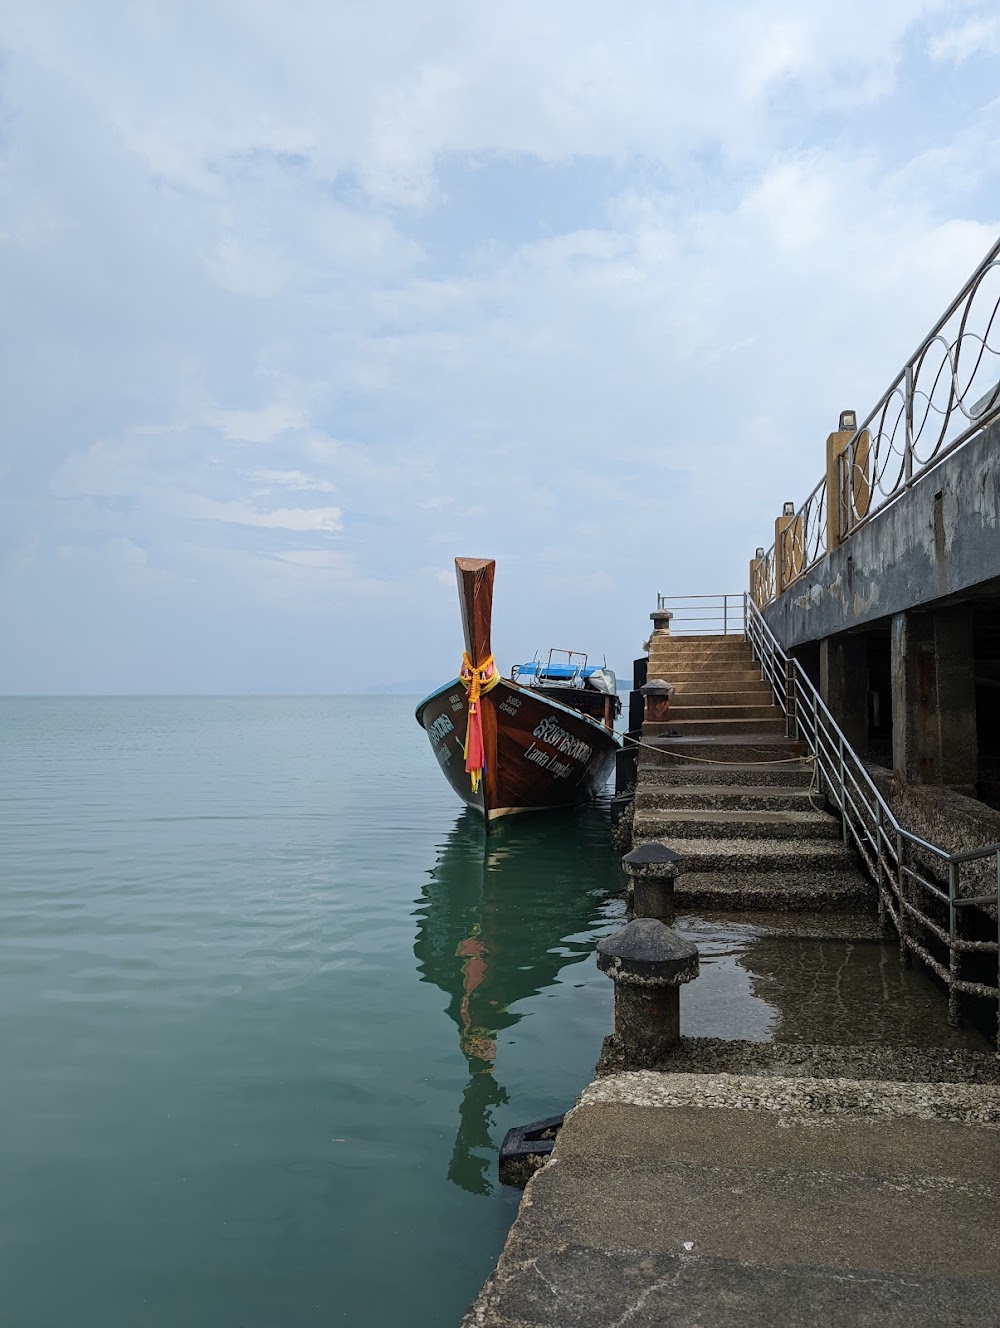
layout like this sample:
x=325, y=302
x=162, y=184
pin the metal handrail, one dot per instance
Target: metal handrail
x=946, y=392
x=724, y=613
x=891, y=853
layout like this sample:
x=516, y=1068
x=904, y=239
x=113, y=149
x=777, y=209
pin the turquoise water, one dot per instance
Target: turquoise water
x=267, y=1012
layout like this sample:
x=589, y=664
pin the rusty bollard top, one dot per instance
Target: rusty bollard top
x=648, y=953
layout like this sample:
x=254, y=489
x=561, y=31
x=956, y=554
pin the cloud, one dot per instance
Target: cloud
x=256, y=426
x=291, y=479
x=285, y=518
x=583, y=286
x=974, y=36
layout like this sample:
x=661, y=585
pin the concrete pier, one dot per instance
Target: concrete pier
x=733, y=1199
x=709, y=1182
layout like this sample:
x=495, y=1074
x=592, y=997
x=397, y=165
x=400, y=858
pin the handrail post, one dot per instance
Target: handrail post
x=954, y=954
x=725, y=615
x=998, y=947
x=904, y=948
x=791, y=716
x=880, y=870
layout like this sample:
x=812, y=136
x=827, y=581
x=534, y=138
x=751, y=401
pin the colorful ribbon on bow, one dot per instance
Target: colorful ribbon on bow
x=478, y=680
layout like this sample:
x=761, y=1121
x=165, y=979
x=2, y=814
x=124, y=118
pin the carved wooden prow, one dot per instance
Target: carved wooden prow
x=475, y=594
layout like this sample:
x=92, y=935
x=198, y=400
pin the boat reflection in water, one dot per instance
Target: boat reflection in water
x=496, y=931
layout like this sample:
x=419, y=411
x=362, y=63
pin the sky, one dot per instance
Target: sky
x=300, y=299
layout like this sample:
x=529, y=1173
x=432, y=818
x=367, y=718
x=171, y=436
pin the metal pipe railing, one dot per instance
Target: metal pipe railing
x=946, y=392
x=704, y=615
x=925, y=909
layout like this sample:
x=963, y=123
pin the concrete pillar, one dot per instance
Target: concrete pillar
x=758, y=592
x=647, y=962
x=841, y=517
x=934, y=698
x=843, y=684
x=782, y=563
x=955, y=684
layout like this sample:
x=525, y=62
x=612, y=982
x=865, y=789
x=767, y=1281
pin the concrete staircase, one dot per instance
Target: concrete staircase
x=722, y=784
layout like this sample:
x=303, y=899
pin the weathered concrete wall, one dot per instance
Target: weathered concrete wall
x=948, y=819
x=920, y=549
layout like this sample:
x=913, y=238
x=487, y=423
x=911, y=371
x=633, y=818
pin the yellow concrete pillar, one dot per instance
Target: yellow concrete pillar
x=784, y=559
x=756, y=593
x=843, y=512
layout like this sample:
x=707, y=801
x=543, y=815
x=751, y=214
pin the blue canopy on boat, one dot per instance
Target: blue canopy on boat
x=555, y=670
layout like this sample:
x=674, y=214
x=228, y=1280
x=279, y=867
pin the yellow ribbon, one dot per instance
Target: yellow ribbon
x=477, y=684
x=478, y=679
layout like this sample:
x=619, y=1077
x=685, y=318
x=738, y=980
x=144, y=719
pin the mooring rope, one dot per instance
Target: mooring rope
x=809, y=759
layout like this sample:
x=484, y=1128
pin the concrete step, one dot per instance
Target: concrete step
x=698, y=641
x=735, y=1199
x=689, y=663
x=685, y=710
x=688, y=774
x=724, y=797
x=731, y=823
x=711, y=680
x=791, y=888
x=742, y=696
x=763, y=748
x=683, y=728
x=802, y=858
x=693, y=659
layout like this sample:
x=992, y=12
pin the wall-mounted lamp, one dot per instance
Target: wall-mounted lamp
x=848, y=420
x=759, y=551
x=788, y=509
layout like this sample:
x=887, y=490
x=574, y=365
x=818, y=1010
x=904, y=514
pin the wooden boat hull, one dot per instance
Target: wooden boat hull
x=539, y=754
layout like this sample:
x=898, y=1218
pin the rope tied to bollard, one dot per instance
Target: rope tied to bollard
x=808, y=759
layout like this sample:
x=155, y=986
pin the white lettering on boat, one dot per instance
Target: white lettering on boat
x=511, y=706
x=439, y=730
x=547, y=761
x=551, y=732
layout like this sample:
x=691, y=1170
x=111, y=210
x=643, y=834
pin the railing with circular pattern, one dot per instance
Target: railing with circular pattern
x=947, y=392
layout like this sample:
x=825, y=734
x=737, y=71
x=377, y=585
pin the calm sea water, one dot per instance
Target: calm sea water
x=268, y=1010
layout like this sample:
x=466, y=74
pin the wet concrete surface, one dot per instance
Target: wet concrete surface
x=821, y=1148
x=763, y=981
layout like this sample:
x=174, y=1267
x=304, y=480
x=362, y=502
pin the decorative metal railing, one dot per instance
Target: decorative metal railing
x=945, y=393
x=928, y=894
x=704, y=615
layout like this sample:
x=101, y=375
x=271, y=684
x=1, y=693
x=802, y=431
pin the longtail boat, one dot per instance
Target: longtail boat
x=541, y=739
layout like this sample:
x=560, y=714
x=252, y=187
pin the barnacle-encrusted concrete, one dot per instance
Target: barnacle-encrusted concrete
x=733, y=1199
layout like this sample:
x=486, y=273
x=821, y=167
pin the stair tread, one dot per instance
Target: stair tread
x=737, y=790
x=738, y=816
x=794, y=850
x=796, y=765
x=722, y=740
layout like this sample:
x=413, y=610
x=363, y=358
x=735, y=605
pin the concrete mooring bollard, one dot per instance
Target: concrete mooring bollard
x=652, y=870
x=648, y=962
x=661, y=621
x=656, y=701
